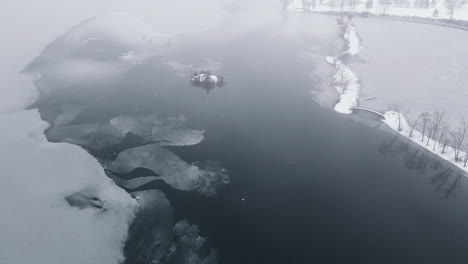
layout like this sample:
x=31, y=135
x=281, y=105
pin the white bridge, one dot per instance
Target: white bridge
x=380, y=114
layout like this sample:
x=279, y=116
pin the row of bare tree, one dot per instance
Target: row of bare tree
x=450, y=5
x=435, y=130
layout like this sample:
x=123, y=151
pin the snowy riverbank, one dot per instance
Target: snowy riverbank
x=348, y=86
x=345, y=81
x=410, y=9
x=397, y=122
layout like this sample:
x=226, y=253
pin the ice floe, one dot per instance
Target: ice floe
x=170, y=168
x=93, y=53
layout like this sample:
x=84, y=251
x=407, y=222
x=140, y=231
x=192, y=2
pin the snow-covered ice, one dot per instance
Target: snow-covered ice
x=41, y=226
x=347, y=85
x=170, y=168
x=94, y=53
x=206, y=78
x=345, y=81
x=169, y=131
x=149, y=128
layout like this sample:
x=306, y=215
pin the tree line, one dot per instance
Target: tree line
x=450, y=5
x=436, y=131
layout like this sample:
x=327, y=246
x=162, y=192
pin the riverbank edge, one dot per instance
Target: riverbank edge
x=397, y=122
x=457, y=24
x=394, y=120
x=345, y=81
x=461, y=24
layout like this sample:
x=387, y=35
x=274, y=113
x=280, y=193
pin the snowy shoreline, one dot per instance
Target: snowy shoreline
x=397, y=122
x=345, y=81
x=457, y=16
x=348, y=86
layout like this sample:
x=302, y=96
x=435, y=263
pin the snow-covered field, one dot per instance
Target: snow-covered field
x=37, y=224
x=378, y=9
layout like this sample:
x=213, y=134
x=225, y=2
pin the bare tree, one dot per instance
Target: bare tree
x=413, y=123
x=458, y=137
x=306, y=5
x=343, y=81
x=422, y=3
x=437, y=118
x=353, y=3
x=313, y=4
x=465, y=159
x=424, y=117
x=369, y=4
x=397, y=109
x=451, y=6
x=342, y=4
x=429, y=129
x=385, y=5
x=444, y=138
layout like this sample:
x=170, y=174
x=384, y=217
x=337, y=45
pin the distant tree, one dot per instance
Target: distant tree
x=424, y=117
x=402, y=2
x=422, y=3
x=332, y=4
x=458, y=138
x=433, y=3
x=451, y=6
x=342, y=4
x=369, y=4
x=313, y=4
x=385, y=4
x=306, y=5
x=352, y=4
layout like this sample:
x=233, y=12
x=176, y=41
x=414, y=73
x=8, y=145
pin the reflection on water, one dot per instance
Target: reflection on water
x=445, y=177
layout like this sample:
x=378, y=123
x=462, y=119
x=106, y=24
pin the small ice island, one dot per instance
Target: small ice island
x=207, y=80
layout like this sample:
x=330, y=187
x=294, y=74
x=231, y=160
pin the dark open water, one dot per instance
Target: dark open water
x=318, y=187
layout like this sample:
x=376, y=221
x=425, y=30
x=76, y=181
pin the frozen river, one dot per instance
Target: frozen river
x=420, y=67
x=306, y=184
